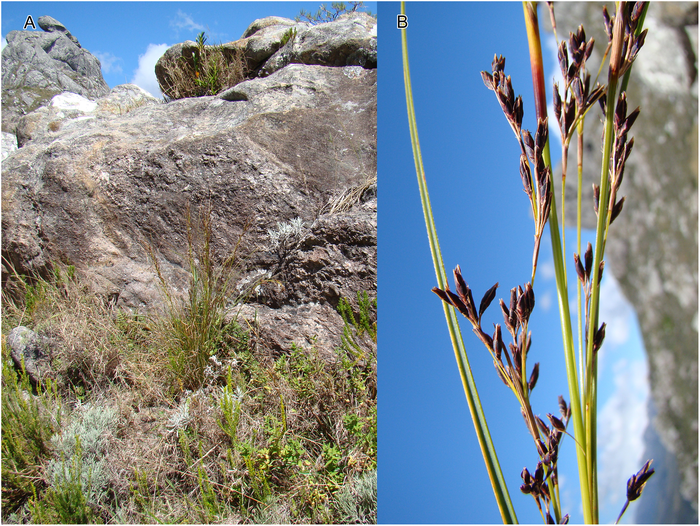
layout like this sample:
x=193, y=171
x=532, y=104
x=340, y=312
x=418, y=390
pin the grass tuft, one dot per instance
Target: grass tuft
x=208, y=71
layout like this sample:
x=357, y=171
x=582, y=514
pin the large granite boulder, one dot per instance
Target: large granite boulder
x=93, y=186
x=271, y=43
x=350, y=40
x=653, y=244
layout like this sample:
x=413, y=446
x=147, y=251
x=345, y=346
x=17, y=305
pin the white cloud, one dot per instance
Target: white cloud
x=615, y=311
x=4, y=43
x=547, y=267
x=184, y=21
x=109, y=62
x=145, y=75
x=545, y=300
x=621, y=425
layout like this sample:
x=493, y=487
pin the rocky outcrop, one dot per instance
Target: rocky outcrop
x=271, y=43
x=38, y=65
x=100, y=183
x=653, y=244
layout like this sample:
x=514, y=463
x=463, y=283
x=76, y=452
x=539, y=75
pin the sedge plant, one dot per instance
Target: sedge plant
x=572, y=101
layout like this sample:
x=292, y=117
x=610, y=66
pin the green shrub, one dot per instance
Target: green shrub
x=67, y=500
x=80, y=479
x=28, y=422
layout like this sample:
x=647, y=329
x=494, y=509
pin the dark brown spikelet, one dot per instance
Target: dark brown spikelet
x=596, y=197
x=563, y=57
x=542, y=133
x=588, y=258
x=450, y=297
x=608, y=23
x=465, y=295
x=498, y=64
x=616, y=210
x=579, y=269
x=528, y=481
x=620, y=110
x=442, y=294
x=598, y=338
x=579, y=92
x=556, y=98
x=518, y=112
x=534, y=376
x=556, y=423
x=498, y=345
x=525, y=175
x=564, y=409
x=529, y=144
x=637, y=12
x=488, y=80
x=487, y=299
x=506, y=316
x=600, y=271
x=635, y=485
x=526, y=303
x=488, y=341
x=631, y=118
x=513, y=310
x=602, y=101
x=543, y=427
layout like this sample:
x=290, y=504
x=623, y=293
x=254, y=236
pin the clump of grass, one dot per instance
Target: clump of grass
x=207, y=71
x=196, y=329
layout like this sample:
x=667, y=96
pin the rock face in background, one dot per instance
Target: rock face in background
x=38, y=65
x=653, y=245
x=95, y=182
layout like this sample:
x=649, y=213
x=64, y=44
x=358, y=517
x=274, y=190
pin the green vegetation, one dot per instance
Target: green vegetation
x=208, y=70
x=290, y=34
x=324, y=15
x=176, y=416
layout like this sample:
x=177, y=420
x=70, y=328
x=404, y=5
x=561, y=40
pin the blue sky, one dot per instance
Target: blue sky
x=430, y=464
x=129, y=37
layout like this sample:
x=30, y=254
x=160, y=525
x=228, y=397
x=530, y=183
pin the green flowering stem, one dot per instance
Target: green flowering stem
x=531, y=23
x=488, y=451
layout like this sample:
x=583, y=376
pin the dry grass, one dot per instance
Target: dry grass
x=255, y=440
